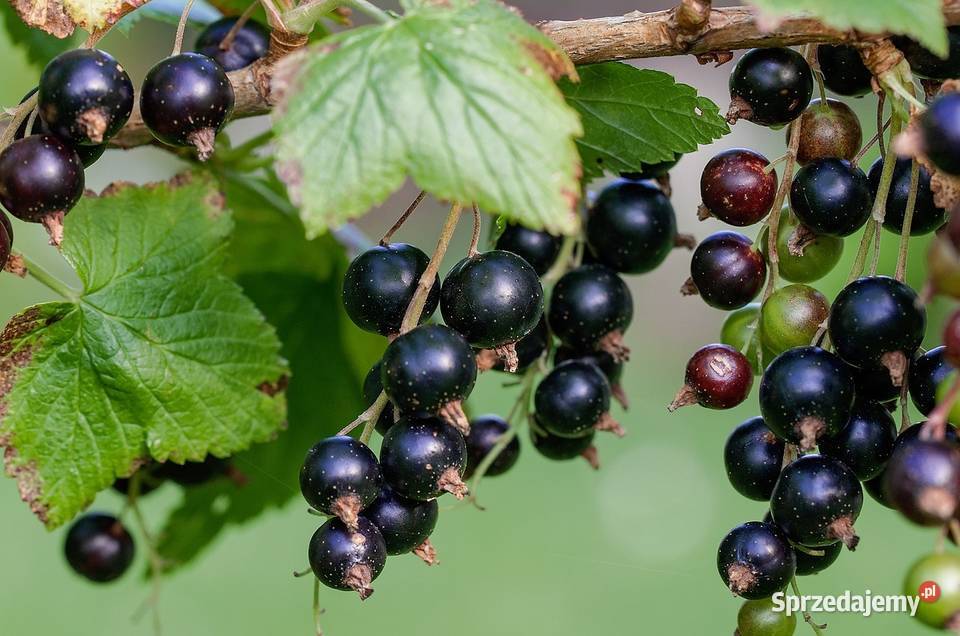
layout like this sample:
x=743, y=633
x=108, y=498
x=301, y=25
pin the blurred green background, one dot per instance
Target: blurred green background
x=559, y=550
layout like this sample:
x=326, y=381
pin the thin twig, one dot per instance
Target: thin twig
x=317, y=610
x=153, y=556
x=412, y=318
x=881, y=100
x=403, y=218
x=475, y=238
x=867, y=146
x=817, y=629
x=231, y=35
x=181, y=27
x=901, y=271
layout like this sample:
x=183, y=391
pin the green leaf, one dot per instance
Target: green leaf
x=38, y=46
x=160, y=356
x=637, y=116
x=919, y=19
x=457, y=94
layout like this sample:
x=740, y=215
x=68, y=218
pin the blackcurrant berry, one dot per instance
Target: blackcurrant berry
x=791, y=316
x=88, y=154
x=193, y=473
x=944, y=569
x=816, y=502
x=843, y=70
x=85, y=96
x=828, y=130
x=874, y=383
x=737, y=187
x=875, y=321
x=493, y=299
x=874, y=488
x=717, y=377
x=940, y=130
x=865, y=444
x=831, y=197
x=573, y=400
x=727, y=271
x=372, y=386
x=485, y=432
x=809, y=563
x=590, y=309
x=249, y=44
x=6, y=240
x=185, y=101
x=927, y=217
x=755, y=560
x=816, y=258
x=922, y=480
x=927, y=64
x=405, y=524
x=346, y=559
x=753, y=456
x=770, y=87
x=98, y=547
x=379, y=284
x=564, y=448
x=423, y=457
x=340, y=476
x=650, y=171
x=927, y=372
x=39, y=176
x=805, y=394
x=430, y=369
x=758, y=618
x=612, y=369
x=631, y=227
x=529, y=349
x=538, y=248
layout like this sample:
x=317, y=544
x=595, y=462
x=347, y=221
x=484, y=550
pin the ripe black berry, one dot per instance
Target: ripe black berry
x=927, y=217
x=805, y=394
x=828, y=130
x=753, y=456
x=249, y=44
x=379, y=284
x=717, y=377
x=612, y=369
x=88, y=154
x=755, y=560
x=348, y=560
x=865, y=444
x=529, y=349
x=874, y=488
x=727, y=271
x=98, y=547
x=340, y=476
x=485, y=432
x=770, y=87
x=6, y=239
x=430, y=369
x=405, y=524
x=926, y=373
x=843, y=70
x=929, y=65
x=39, y=176
x=808, y=563
x=831, y=197
x=372, y=386
x=922, y=480
x=590, y=309
x=816, y=502
x=564, y=448
x=185, y=101
x=538, y=248
x=193, y=473
x=736, y=187
x=422, y=457
x=631, y=227
x=574, y=399
x=85, y=96
x=874, y=383
x=940, y=130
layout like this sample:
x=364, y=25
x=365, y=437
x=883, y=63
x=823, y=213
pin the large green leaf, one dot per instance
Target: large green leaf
x=920, y=19
x=637, y=116
x=456, y=94
x=160, y=356
x=38, y=46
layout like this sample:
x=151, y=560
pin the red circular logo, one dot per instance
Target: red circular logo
x=929, y=592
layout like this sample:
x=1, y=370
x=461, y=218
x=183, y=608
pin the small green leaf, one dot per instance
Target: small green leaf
x=160, y=356
x=456, y=94
x=637, y=116
x=920, y=19
x=38, y=46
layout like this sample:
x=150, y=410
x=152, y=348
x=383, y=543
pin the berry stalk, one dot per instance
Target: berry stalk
x=817, y=629
x=901, y=271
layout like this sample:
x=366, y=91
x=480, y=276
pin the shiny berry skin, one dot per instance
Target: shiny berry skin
x=805, y=394
x=423, y=457
x=404, y=523
x=185, y=101
x=922, y=481
x=573, y=400
x=791, y=316
x=818, y=259
x=6, y=241
x=927, y=217
x=831, y=197
x=372, y=386
x=88, y=154
x=492, y=299
x=927, y=372
x=85, y=97
x=558, y=448
x=717, y=377
x=940, y=130
x=755, y=560
x=874, y=317
x=758, y=618
x=928, y=65
x=727, y=271
x=874, y=488
x=828, y=130
x=348, y=560
x=249, y=44
x=98, y=547
x=39, y=175
x=753, y=456
x=631, y=227
x=865, y=444
x=340, y=476
x=192, y=473
x=379, y=284
x=944, y=569
x=538, y=248
x=816, y=502
x=874, y=383
x=843, y=69
x=485, y=432
x=612, y=369
x=808, y=564
x=529, y=348
x=770, y=87
x=735, y=188
x=590, y=309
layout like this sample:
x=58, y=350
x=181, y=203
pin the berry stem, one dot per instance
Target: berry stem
x=403, y=219
x=901, y=271
x=817, y=629
x=475, y=238
x=19, y=116
x=153, y=556
x=48, y=280
x=412, y=318
x=881, y=100
x=231, y=35
x=181, y=27
x=873, y=140
x=936, y=426
x=317, y=610
x=370, y=9
x=303, y=18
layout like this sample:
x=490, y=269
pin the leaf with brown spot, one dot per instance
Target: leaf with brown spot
x=61, y=17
